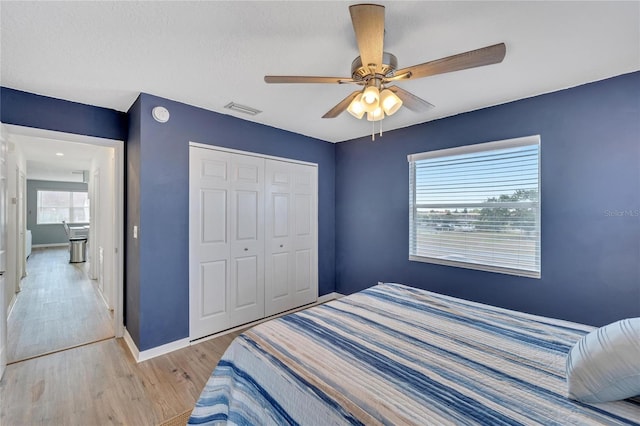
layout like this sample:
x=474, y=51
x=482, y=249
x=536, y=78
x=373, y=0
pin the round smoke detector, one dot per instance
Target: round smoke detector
x=160, y=114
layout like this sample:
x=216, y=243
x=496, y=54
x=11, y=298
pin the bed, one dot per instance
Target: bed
x=394, y=354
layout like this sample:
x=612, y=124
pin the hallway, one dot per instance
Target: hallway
x=58, y=307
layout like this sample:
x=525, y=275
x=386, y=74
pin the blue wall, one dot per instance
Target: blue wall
x=42, y=112
x=163, y=179
x=51, y=233
x=590, y=172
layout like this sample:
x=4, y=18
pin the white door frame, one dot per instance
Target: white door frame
x=4, y=175
x=194, y=263
x=21, y=225
x=118, y=229
x=96, y=222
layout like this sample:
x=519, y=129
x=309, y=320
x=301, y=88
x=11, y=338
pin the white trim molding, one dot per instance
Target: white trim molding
x=153, y=352
x=250, y=153
x=130, y=344
x=328, y=297
x=183, y=343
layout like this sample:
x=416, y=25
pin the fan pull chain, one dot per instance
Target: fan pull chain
x=373, y=130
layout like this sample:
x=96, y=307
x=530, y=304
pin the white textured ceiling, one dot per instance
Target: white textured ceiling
x=43, y=163
x=209, y=53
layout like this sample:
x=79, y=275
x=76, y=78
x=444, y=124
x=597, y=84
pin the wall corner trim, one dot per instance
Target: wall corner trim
x=153, y=352
x=130, y=344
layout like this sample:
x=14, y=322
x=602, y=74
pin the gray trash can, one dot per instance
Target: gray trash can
x=78, y=250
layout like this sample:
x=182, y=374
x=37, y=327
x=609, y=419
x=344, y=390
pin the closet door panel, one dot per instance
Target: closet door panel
x=252, y=238
x=246, y=292
x=213, y=216
x=278, y=268
x=212, y=289
x=247, y=223
x=279, y=273
x=303, y=215
x=304, y=279
x=291, y=234
x=305, y=241
x=209, y=244
x=280, y=215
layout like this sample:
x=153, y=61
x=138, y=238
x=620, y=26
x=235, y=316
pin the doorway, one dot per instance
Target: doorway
x=48, y=270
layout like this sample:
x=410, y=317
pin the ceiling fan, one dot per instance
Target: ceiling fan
x=376, y=69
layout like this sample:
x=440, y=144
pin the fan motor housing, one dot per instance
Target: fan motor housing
x=360, y=72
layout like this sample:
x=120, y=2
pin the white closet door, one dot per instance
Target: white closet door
x=226, y=247
x=291, y=266
x=246, y=295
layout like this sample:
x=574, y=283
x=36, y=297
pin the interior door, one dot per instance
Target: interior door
x=226, y=247
x=291, y=268
x=3, y=257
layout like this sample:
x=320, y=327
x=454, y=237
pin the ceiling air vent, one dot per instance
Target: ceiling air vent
x=242, y=108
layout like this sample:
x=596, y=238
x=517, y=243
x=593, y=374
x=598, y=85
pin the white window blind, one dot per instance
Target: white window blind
x=56, y=206
x=477, y=206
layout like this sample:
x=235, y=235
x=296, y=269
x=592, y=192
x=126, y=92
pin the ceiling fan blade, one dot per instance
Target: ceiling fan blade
x=342, y=106
x=411, y=101
x=474, y=58
x=305, y=79
x=368, y=24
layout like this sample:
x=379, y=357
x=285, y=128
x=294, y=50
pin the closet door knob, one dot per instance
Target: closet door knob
x=281, y=246
x=246, y=249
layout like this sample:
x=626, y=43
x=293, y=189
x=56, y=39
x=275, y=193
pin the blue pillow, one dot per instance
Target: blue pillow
x=604, y=365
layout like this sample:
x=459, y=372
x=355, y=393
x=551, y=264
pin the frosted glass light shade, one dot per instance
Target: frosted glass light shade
x=375, y=115
x=390, y=102
x=370, y=98
x=356, y=108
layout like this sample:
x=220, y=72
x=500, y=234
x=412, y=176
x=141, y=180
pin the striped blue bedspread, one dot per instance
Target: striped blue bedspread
x=393, y=354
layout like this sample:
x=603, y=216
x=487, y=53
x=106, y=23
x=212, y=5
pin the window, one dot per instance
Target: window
x=56, y=206
x=477, y=206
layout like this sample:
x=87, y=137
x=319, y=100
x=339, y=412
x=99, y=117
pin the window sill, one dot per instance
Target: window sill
x=476, y=266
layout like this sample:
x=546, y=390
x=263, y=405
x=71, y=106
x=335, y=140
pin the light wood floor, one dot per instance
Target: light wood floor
x=58, y=307
x=98, y=383
x=101, y=384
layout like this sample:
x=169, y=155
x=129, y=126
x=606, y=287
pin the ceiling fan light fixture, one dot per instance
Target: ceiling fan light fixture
x=390, y=102
x=356, y=108
x=375, y=115
x=370, y=98
x=374, y=69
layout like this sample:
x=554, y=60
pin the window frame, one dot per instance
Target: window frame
x=472, y=149
x=69, y=207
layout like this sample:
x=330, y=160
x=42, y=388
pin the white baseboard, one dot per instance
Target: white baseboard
x=130, y=344
x=153, y=352
x=329, y=297
x=319, y=301
x=183, y=343
x=50, y=245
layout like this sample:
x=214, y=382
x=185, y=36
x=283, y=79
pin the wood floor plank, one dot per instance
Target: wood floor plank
x=98, y=383
x=58, y=307
x=102, y=384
